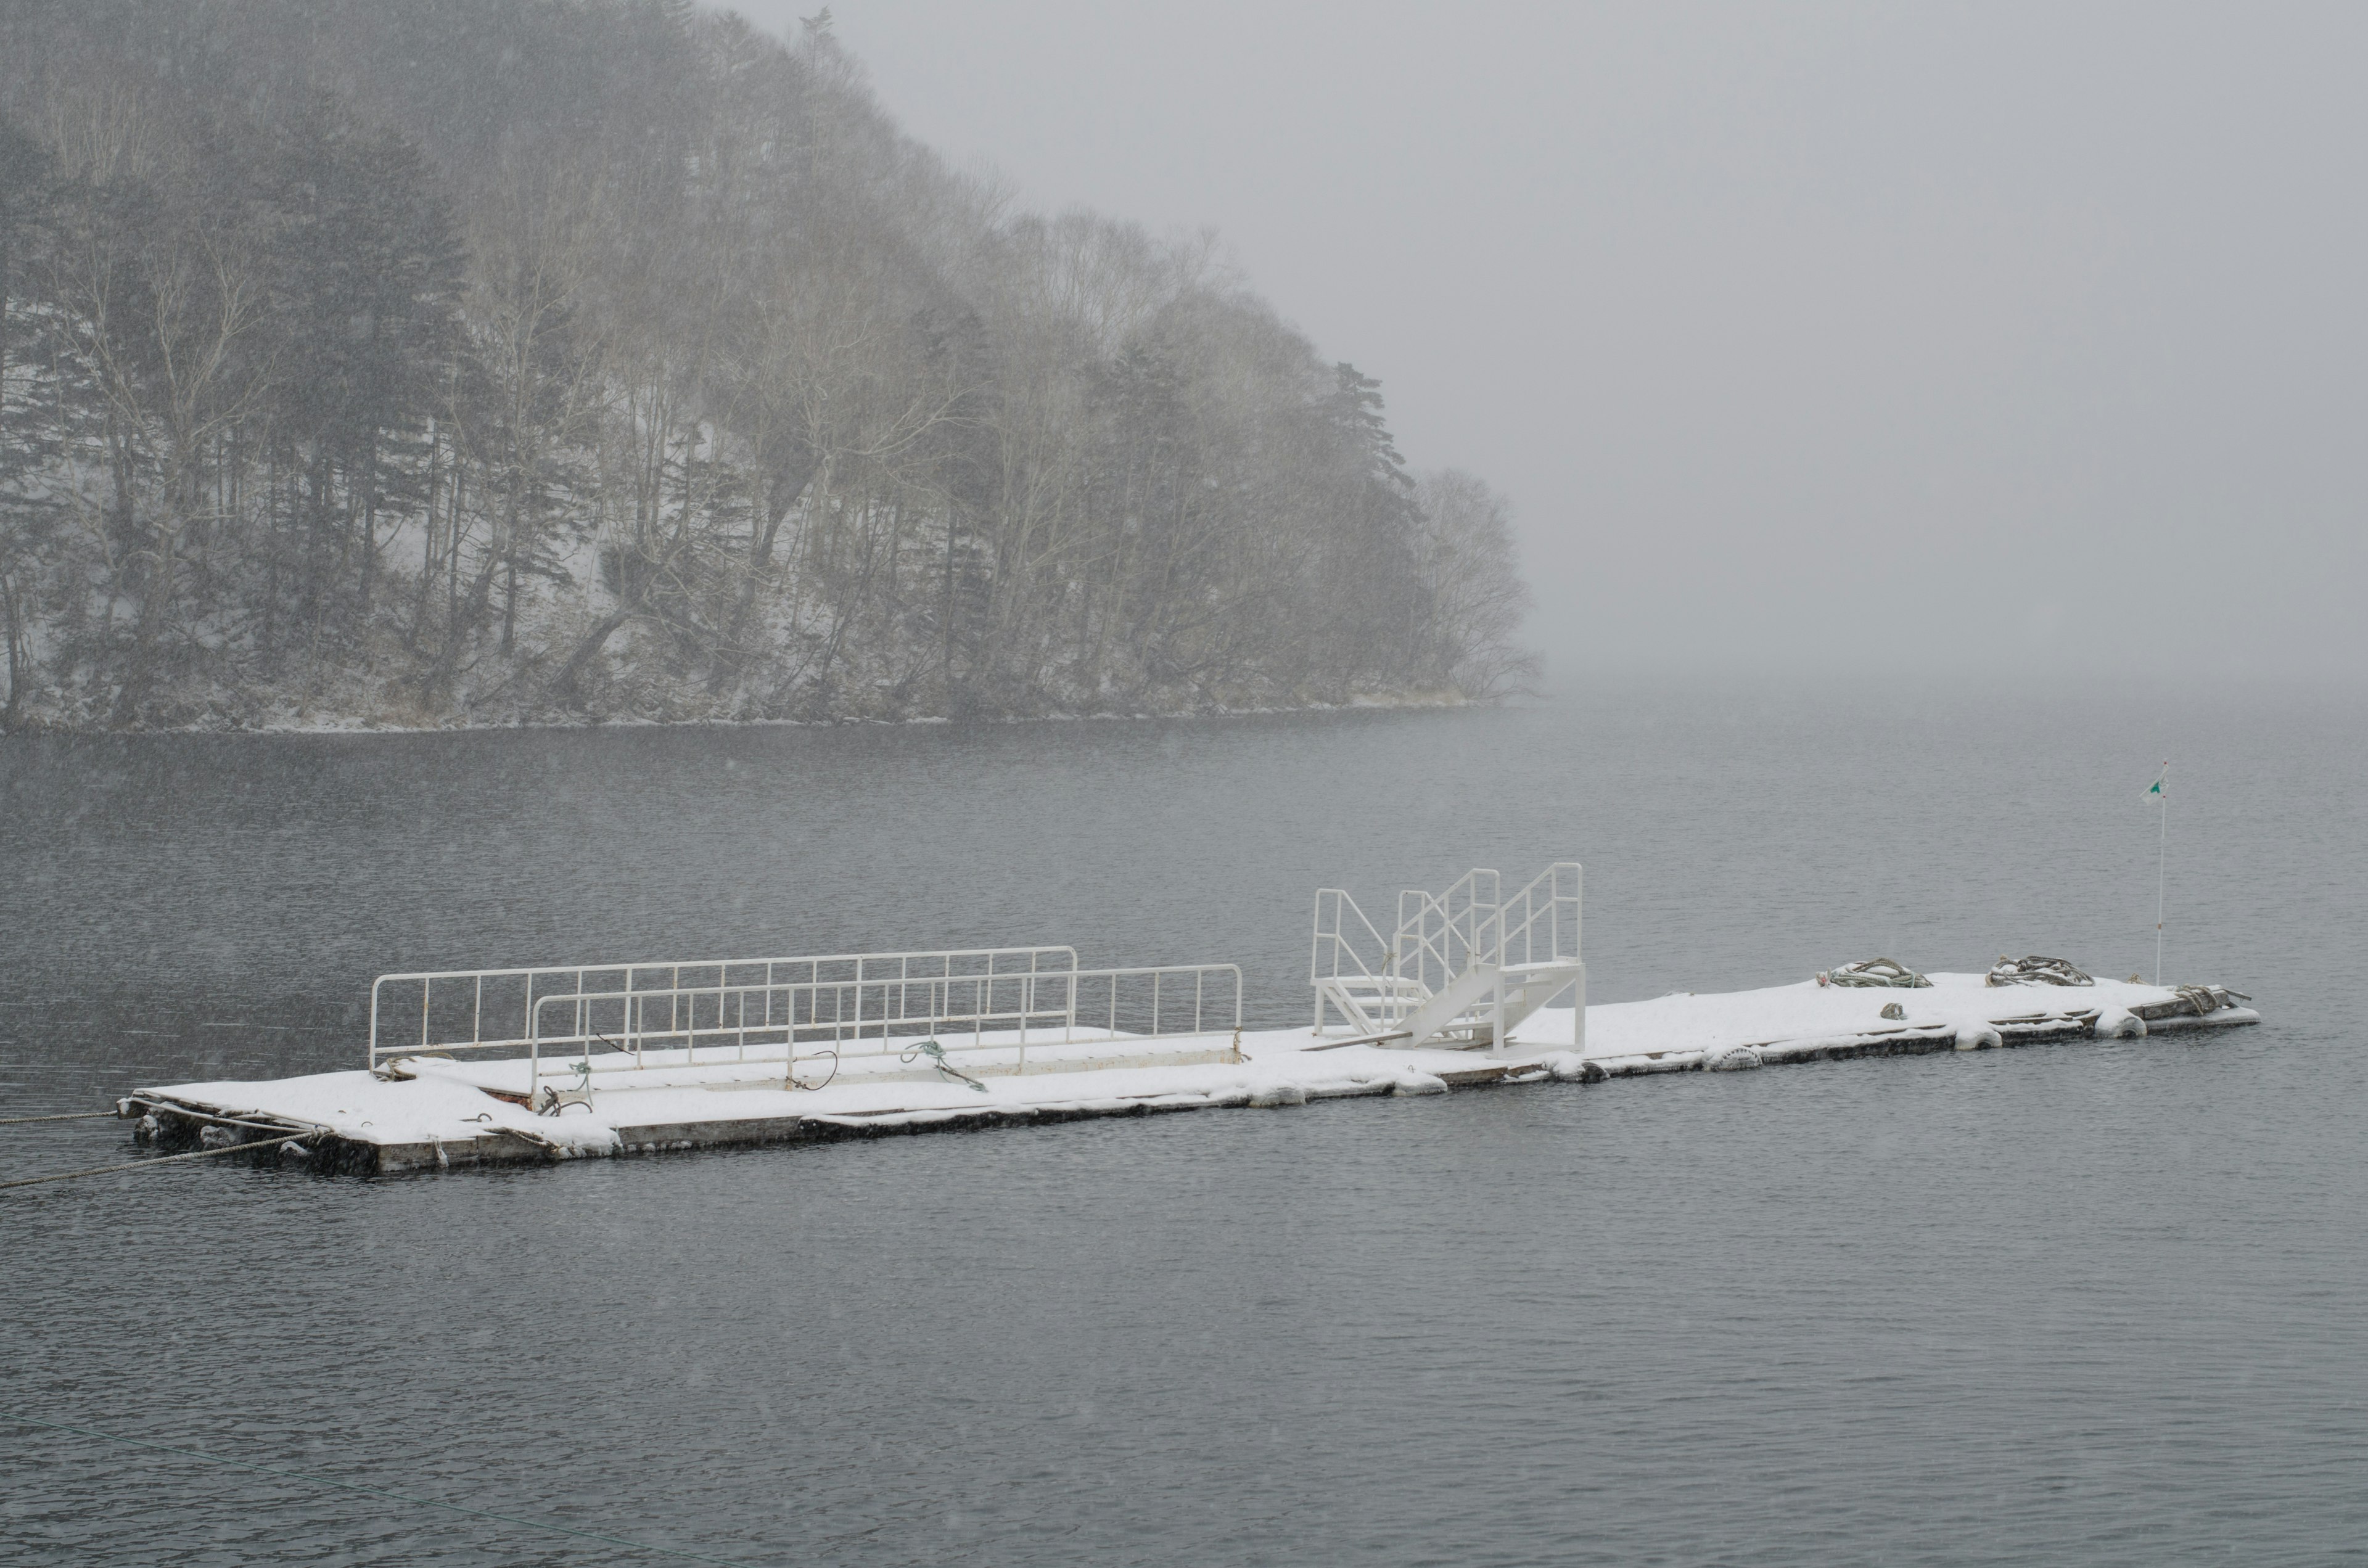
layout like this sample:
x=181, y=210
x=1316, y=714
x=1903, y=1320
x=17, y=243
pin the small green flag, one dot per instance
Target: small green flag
x=2154, y=792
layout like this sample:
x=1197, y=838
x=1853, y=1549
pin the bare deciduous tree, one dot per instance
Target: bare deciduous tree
x=620, y=359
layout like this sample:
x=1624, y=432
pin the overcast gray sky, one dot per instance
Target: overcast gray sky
x=1992, y=336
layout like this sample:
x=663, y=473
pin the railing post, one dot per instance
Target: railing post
x=373, y=1020
x=1316, y=957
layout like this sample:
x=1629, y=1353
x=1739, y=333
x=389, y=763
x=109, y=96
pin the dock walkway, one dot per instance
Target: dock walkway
x=425, y=1112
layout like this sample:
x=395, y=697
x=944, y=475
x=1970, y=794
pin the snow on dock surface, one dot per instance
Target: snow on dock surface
x=1785, y=1017
x=428, y=1112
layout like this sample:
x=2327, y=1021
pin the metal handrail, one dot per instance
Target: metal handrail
x=999, y=962
x=1441, y=937
x=1336, y=938
x=841, y=1024
x=1544, y=902
x=1443, y=932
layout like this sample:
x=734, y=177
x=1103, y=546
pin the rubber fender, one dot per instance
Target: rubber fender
x=2120, y=1023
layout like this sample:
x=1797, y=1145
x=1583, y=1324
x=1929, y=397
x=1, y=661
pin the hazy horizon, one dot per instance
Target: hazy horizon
x=1972, y=339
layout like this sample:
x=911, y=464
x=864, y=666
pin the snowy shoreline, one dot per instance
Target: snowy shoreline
x=358, y=724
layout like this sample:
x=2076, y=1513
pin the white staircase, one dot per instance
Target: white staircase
x=1464, y=968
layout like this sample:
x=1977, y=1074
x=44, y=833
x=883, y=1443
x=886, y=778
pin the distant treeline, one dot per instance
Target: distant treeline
x=475, y=360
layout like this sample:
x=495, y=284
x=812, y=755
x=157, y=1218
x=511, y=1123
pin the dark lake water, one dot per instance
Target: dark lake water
x=2098, y=1304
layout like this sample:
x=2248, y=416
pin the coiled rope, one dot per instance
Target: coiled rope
x=1874, y=973
x=2036, y=970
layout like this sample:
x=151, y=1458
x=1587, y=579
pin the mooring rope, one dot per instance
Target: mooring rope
x=937, y=1055
x=371, y=1491
x=70, y=1116
x=791, y=1076
x=220, y=1118
x=2036, y=970
x=159, y=1160
x=1874, y=973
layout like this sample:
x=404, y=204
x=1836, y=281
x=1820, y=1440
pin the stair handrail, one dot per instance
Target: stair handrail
x=1548, y=908
x=1443, y=933
x=1335, y=939
x=1515, y=948
x=1332, y=952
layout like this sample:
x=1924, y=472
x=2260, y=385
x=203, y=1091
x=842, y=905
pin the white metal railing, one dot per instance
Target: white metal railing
x=488, y=1009
x=1366, y=992
x=1540, y=923
x=1439, y=938
x=799, y=1021
x=1335, y=950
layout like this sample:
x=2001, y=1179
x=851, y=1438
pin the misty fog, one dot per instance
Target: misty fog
x=1986, y=339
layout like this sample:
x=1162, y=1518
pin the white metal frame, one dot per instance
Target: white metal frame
x=831, y=1016
x=517, y=990
x=1372, y=997
x=1441, y=935
x=1519, y=945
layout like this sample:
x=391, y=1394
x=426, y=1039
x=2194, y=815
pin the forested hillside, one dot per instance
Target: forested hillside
x=482, y=360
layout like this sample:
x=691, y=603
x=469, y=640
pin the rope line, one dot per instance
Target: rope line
x=791, y=1077
x=371, y=1491
x=1874, y=973
x=70, y=1116
x=159, y=1160
x=234, y=1119
x=936, y=1055
x=2036, y=969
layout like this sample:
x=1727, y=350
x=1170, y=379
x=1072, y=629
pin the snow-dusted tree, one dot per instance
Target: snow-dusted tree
x=1468, y=568
x=551, y=354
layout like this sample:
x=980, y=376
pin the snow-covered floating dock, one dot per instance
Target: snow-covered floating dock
x=1472, y=987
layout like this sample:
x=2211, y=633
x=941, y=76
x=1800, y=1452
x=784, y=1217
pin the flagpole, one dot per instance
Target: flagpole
x=2161, y=848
